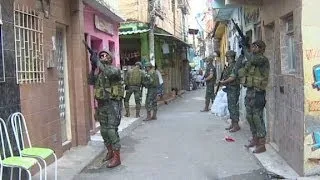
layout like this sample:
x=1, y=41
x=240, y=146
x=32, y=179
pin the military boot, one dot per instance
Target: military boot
x=109, y=153
x=127, y=112
x=137, y=114
x=206, y=108
x=115, y=161
x=252, y=142
x=154, y=115
x=260, y=147
x=235, y=127
x=148, y=118
x=138, y=107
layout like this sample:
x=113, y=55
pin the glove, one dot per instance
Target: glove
x=244, y=42
x=94, y=59
x=93, y=66
x=126, y=87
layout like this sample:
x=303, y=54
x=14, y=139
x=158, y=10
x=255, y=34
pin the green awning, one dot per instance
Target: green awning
x=133, y=32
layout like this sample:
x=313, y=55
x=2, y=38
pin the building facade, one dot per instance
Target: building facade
x=290, y=31
x=101, y=32
x=170, y=48
x=44, y=65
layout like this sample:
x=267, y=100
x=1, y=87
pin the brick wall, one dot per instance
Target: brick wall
x=40, y=102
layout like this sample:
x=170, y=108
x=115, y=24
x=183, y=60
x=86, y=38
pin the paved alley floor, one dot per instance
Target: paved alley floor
x=182, y=144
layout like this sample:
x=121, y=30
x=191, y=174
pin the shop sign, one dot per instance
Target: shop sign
x=103, y=25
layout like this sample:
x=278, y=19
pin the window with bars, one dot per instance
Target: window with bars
x=28, y=27
x=292, y=60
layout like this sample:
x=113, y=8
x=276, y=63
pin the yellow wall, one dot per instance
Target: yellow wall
x=311, y=57
x=224, y=46
x=172, y=20
x=134, y=9
x=138, y=10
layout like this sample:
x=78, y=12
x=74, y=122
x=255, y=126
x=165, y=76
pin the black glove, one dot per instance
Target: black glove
x=244, y=42
x=93, y=66
x=126, y=87
x=94, y=59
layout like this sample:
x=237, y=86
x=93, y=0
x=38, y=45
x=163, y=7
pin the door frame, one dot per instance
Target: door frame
x=66, y=82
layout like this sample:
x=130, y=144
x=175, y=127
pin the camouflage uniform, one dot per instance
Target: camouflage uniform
x=210, y=70
x=109, y=93
x=256, y=73
x=133, y=82
x=233, y=92
x=151, y=82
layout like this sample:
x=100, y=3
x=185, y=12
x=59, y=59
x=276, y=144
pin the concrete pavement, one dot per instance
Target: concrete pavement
x=182, y=144
x=77, y=158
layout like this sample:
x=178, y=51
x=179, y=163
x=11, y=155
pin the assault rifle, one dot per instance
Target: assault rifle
x=244, y=42
x=94, y=57
x=219, y=84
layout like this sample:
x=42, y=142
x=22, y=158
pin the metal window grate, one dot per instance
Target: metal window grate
x=28, y=27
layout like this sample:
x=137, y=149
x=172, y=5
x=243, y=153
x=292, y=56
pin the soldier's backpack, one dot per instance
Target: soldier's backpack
x=135, y=77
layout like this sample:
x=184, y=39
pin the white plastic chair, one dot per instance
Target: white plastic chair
x=12, y=161
x=20, y=129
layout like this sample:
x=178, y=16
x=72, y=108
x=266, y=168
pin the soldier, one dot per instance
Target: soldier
x=151, y=82
x=133, y=82
x=233, y=91
x=254, y=76
x=109, y=94
x=210, y=79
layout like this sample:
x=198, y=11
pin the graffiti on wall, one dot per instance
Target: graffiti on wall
x=251, y=15
x=312, y=54
x=314, y=106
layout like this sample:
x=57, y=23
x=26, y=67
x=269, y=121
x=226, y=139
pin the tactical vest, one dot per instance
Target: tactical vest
x=104, y=88
x=152, y=79
x=207, y=73
x=254, y=76
x=102, y=83
x=228, y=72
x=134, y=77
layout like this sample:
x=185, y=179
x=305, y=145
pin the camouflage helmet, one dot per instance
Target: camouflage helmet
x=106, y=51
x=148, y=64
x=231, y=53
x=138, y=64
x=260, y=44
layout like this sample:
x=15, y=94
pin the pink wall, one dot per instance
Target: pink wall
x=90, y=29
x=99, y=40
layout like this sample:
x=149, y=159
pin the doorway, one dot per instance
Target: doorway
x=63, y=86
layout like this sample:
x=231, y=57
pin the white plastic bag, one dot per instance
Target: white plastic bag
x=220, y=104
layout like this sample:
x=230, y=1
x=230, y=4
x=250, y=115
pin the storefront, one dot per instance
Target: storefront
x=134, y=44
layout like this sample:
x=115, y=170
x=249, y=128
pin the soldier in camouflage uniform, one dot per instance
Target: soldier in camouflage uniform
x=109, y=93
x=255, y=76
x=210, y=79
x=151, y=82
x=233, y=91
x=133, y=82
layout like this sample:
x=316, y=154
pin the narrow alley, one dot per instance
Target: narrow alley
x=182, y=144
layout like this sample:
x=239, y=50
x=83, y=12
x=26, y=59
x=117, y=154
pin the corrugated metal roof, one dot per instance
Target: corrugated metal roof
x=134, y=32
